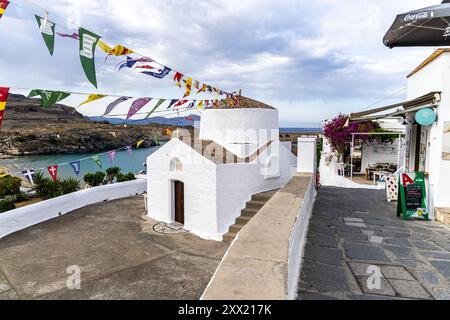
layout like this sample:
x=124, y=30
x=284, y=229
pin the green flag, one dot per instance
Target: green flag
x=88, y=43
x=97, y=160
x=160, y=102
x=49, y=98
x=47, y=29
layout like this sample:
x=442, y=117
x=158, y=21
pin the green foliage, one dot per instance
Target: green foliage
x=7, y=204
x=10, y=186
x=95, y=179
x=319, y=150
x=126, y=177
x=46, y=188
x=383, y=138
x=111, y=174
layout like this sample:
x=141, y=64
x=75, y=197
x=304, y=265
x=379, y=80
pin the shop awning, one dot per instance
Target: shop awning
x=431, y=99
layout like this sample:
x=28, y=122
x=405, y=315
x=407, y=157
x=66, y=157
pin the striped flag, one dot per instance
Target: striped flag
x=3, y=98
x=137, y=105
x=114, y=104
x=3, y=6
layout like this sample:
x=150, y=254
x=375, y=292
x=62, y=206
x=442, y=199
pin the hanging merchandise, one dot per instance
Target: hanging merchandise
x=47, y=29
x=48, y=98
x=4, y=92
x=3, y=5
x=76, y=166
x=88, y=43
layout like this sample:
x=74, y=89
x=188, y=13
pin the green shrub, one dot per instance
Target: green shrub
x=21, y=197
x=111, y=174
x=94, y=179
x=7, y=204
x=125, y=177
x=46, y=188
x=10, y=186
x=69, y=185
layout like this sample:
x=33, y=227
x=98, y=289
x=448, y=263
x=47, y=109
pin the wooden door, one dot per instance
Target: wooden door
x=179, y=201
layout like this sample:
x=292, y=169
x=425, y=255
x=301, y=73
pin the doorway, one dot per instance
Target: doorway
x=179, y=201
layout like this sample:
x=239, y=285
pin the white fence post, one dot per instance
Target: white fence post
x=307, y=155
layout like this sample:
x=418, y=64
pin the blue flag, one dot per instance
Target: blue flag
x=76, y=165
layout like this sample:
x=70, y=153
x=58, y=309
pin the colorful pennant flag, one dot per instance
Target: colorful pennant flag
x=74, y=35
x=200, y=104
x=160, y=102
x=4, y=92
x=48, y=97
x=191, y=105
x=189, y=119
x=202, y=89
x=112, y=156
x=97, y=161
x=168, y=132
x=88, y=43
x=172, y=102
x=30, y=175
x=129, y=150
x=127, y=64
x=117, y=51
x=114, y=104
x=188, y=87
x=92, y=98
x=137, y=105
x=53, y=171
x=159, y=75
x=76, y=166
x=180, y=103
x=3, y=5
x=177, y=78
x=139, y=144
x=47, y=29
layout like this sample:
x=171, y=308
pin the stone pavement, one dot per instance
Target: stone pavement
x=118, y=251
x=357, y=249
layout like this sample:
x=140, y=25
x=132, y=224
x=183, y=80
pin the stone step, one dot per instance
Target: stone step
x=243, y=220
x=255, y=204
x=235, y=228
x=251, y=212
x=229, y=237
x=264, y=196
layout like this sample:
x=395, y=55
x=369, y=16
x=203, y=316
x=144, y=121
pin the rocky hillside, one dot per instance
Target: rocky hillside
x=29, y=129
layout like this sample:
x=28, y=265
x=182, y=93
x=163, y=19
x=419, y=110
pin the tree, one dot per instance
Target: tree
x=111, y=174
x=10, y=186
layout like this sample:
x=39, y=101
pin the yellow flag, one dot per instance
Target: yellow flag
x=188, y=87
x=116, y=51
x=107, y=49
x=139, y=144
x=200, y=104
x=93, y=97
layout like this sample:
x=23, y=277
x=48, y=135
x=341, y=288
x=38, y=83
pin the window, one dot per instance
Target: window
x=176, y=165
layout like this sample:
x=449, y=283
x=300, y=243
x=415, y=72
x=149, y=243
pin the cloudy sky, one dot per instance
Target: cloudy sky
x=310, y=59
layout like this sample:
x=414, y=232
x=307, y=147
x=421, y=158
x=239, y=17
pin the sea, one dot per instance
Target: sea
x=127, y=163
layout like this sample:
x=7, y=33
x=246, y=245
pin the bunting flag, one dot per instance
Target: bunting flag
x=48, y=98
x=114, y=104
x=117, y=51
x=172, y=102
x=129, y=150
x=127, y=64
x=4, y=92
x=189, y=119
x=97, y=161
x=177, y=78
x=137, y=105
x=47, y=29
x=191, y=105
x=76, y=166
x=74, y=35
x=139, y=144
x=88, y=43
x=30, y=175
x=168, y=132
x=3, y=5
x=53, y=171
x=202, y=89
x=159, y=75
x=147, y=67
x=92, y=98
x=200, y=104
x=160, y=102
x=188, y=87
x=112, y=156
x=180, y=103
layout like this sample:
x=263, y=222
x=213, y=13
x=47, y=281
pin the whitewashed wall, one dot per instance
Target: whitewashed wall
x=435, y=77
x=22, y=218
x=199, y=178
x=236, y=183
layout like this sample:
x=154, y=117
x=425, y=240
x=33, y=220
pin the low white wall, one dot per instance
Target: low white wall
x=297, y=240
x=22, y=218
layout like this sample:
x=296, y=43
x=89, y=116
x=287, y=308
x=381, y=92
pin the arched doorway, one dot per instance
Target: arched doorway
x=178, y=205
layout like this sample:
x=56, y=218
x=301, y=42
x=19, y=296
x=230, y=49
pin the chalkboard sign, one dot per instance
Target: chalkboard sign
x=412, y=202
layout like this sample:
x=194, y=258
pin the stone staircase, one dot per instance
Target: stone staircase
x=251, y=209
x=443, y=216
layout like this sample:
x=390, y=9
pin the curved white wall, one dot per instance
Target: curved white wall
x=232, y=128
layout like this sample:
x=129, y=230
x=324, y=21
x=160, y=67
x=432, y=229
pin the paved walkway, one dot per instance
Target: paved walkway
x=118, y=251
x=355, y=237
